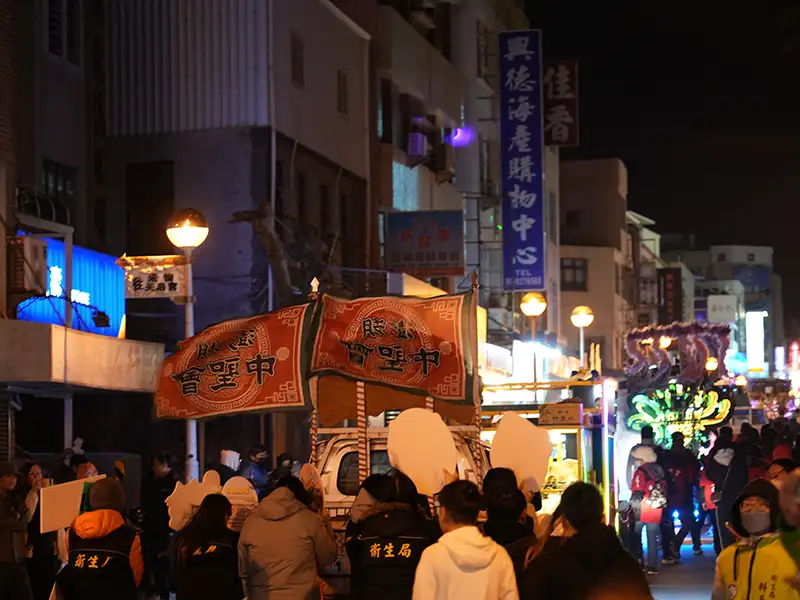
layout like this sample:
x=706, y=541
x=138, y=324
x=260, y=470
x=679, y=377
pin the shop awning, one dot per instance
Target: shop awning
x=49, y=358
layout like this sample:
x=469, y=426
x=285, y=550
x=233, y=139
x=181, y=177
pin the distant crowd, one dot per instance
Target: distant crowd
x=735, y=488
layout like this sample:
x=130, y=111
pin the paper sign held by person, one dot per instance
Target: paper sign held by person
x=524, y=448
x=61, y=504
x=421, y=446
x=243, y=498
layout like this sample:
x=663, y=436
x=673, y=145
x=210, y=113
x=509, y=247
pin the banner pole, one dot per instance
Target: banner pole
x=313, y=296
x=363, y=441
x=476, y=383
x=430, y=406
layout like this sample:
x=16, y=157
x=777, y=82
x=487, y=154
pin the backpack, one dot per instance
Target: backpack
x=657, y=491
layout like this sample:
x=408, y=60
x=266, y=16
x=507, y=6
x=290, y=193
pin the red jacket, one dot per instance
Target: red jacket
x=708, y=489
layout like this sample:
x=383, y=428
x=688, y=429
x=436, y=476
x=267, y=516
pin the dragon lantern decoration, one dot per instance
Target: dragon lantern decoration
x=684, y=395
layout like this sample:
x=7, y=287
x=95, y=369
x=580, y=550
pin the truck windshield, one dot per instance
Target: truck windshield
x=347, y=478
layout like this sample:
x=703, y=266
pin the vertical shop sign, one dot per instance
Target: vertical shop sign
x=670, y=307
x=561, y=121
x=522, y=156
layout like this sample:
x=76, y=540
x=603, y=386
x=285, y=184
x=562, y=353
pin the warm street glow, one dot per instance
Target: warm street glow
x=582, y=317
x=664, y=342
x=533, y=304
x=187, y=228
x=712, y=364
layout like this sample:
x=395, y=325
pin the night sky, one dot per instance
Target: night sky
x=701, y=100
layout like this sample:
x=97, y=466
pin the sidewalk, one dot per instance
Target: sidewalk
x=690, y=579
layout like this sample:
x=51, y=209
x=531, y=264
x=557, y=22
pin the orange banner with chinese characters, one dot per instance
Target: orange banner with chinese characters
x=253, y=364
x=421, y=345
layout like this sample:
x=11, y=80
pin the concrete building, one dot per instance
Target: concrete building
x=597, y=260
x=52, y=167
x=435, y=69
x=752, y=266
x=228, y=106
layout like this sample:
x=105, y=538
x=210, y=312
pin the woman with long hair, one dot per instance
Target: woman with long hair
x=579, y=556
x=205, y=554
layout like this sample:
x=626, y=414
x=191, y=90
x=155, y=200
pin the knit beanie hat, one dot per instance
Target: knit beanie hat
x=107, y=494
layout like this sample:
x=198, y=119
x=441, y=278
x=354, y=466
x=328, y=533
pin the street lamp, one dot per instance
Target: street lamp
x=581, y=318
x=187, y=229
x=533, y=305
x=712, y=364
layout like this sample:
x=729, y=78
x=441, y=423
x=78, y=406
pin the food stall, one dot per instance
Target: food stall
x=577, y=433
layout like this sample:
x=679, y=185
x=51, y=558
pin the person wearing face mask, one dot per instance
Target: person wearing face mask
x=758, y=561
x=256, y=470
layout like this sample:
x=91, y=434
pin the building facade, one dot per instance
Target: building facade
x=253, y=106
x=752, y=267
x=597, y=253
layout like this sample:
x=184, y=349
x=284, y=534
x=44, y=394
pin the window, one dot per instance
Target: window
x=64, y=29
x=60, y=184
x=347, y=477
x=483, y=47
x=385, y=111
x=751, y=258
x=99, y=166
x=73, y=36
x=297, y=52
x=552, y=218
x=341, y=92
x=324, y=208
x=574, y=274
x=300, y=196
x=55, y=27
x=573, y=219
x=100, y=219
x=722, y=257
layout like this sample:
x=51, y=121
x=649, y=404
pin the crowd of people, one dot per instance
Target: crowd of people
x=736, y=487
x=486, y=544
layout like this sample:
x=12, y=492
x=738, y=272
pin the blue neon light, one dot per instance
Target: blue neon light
x=96, y=280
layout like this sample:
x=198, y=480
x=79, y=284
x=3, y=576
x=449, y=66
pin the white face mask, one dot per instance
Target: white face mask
x=756, y=522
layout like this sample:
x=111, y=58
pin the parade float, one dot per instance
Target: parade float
x=676, y=382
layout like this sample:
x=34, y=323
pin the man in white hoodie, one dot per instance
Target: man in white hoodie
x=464, y=564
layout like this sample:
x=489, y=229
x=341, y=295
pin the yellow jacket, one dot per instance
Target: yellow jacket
x=755, y=568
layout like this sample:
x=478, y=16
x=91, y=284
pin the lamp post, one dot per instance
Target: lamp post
x=533, y=305
x=187, y=229
x=581, y=318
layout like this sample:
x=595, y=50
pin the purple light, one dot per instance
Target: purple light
x=462, y=136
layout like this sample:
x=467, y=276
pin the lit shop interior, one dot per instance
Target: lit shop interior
x=577, y=415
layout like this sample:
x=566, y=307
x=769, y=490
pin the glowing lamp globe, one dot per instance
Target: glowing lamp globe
x=582, y=317
x=712, y=364
x=187, y=228
x=533, y=304
x=664, y=342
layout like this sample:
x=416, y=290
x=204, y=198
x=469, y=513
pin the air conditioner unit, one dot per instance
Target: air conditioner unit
x=417, y=146
x=27, y=265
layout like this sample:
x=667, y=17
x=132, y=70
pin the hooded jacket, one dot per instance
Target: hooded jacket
x=514, y=536
x=465, y=564
x=755, y=563
x=384, y=549
x=105, y=558
x=209, y=570
x=281, y=548
x=590, y=561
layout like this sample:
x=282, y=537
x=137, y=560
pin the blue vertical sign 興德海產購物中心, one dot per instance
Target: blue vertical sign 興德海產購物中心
x=522, y=156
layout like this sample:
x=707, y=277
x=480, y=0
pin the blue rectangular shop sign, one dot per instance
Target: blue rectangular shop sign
x=522, y=156
x=426, y=243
